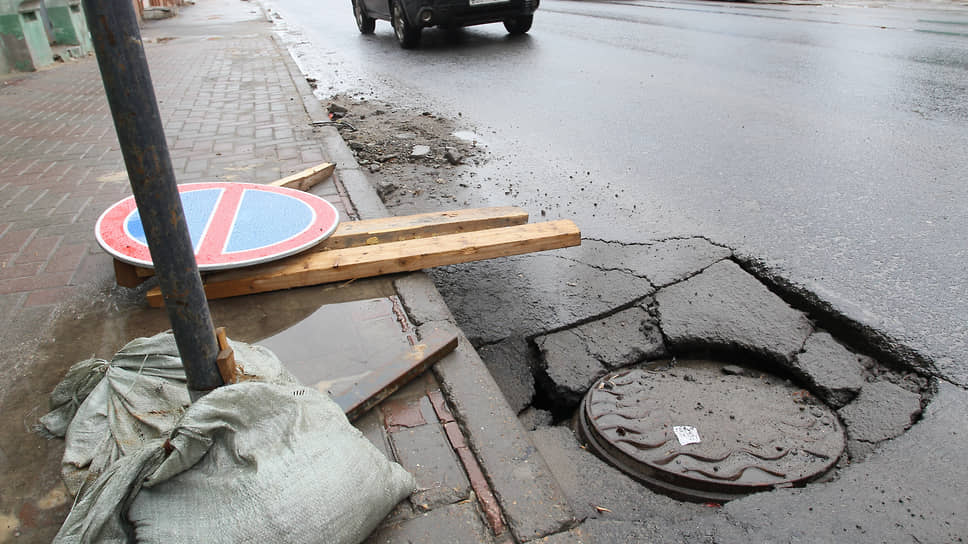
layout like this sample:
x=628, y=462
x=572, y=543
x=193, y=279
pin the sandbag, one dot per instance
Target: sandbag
x=251, y=462
x=260, y=461
x=106, y=410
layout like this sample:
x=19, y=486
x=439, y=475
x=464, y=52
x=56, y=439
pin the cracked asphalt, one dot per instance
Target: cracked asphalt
x=811, y=150
x=680, y=297
x=824, y=140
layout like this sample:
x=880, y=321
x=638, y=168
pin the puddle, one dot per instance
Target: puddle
x=340, y=345
x=113, y=319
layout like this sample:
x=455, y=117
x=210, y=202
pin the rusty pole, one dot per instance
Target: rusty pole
x=127, y=83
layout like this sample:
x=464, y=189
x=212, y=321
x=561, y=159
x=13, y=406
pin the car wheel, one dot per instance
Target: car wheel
x=519, y=25
x=407, y=34
x=365, y=23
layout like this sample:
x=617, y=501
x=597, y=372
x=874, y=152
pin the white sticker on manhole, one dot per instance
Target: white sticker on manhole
x=686, y=435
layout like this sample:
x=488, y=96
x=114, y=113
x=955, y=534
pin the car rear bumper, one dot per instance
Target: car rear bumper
x=460, y=13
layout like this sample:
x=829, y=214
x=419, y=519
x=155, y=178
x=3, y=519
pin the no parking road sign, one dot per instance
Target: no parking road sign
x=231, y=224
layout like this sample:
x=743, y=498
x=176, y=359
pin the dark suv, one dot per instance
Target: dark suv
x=409, y=17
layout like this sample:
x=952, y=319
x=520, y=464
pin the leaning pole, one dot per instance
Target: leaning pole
x=131, y=97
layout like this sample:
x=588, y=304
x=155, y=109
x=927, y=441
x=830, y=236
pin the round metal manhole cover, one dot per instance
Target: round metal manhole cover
x=703, y=431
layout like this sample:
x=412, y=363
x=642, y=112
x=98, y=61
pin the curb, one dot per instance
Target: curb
x=531, y=499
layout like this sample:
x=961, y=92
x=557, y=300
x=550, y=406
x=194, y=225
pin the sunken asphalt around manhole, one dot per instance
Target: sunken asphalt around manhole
x=803, y=403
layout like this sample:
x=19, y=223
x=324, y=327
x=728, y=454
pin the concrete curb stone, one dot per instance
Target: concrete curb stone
x=529, y=495
x=349, y=178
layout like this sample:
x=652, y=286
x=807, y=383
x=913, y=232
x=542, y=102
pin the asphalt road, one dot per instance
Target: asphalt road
x=830, y=141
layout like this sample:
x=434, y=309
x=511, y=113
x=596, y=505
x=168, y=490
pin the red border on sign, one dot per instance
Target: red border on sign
x=111, y=228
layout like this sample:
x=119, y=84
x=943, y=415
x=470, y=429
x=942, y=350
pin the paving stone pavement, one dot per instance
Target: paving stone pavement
x=232, y=112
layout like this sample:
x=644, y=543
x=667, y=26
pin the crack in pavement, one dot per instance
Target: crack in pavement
x=860, y=336
x=655, y=286
x=690, y=276
x=660, y=241
x=600, y=268
x=634, y=302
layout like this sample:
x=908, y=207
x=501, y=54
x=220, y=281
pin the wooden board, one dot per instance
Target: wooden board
x=384, y=229
x=424, y=225
x=306, y=179
x=385, y=379
x=129, y=275
x=387, y=258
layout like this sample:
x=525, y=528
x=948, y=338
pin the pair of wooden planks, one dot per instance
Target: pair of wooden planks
x=362, y=249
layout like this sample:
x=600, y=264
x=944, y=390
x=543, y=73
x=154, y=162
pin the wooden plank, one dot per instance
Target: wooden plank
x=126, y=274
x=406, y=256
x=226, y=358
x=424, y=225
x=305, y=180
x=371, y=388
x=407, y=227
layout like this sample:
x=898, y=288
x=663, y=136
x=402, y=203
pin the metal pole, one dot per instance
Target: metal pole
x=124, y=71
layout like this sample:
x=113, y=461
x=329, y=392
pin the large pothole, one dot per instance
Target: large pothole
x=781, y=419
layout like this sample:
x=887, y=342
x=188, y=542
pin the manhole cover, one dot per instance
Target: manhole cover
x=699, y=432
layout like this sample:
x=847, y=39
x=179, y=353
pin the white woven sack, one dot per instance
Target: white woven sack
x=252, y=462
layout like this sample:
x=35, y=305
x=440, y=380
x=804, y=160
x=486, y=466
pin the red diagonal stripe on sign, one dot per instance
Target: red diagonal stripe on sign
x=221, y=222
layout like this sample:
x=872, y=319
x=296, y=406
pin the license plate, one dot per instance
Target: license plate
x=485, y=2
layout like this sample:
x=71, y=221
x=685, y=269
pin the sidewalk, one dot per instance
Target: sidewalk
x=235, y=108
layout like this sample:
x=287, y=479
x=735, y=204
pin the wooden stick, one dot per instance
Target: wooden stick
x=305, y=180
x=226, y=358
x=383, y=384
x=406, y=256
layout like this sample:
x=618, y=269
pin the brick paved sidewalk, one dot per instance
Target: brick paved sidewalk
x=231, y=112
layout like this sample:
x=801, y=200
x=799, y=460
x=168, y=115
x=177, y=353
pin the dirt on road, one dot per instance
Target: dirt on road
x=416, y=160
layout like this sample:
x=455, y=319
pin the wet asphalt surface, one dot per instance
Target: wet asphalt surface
x=829, y=141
